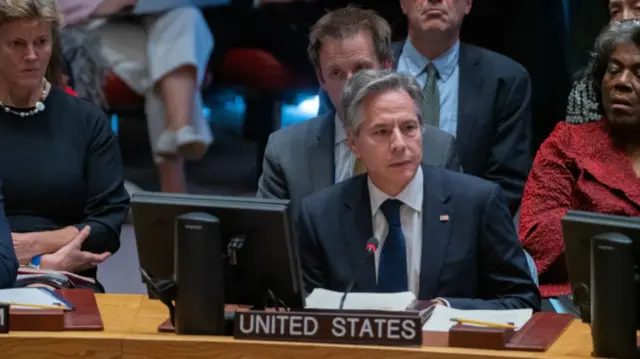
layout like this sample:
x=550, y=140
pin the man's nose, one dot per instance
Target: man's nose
x=398, y=142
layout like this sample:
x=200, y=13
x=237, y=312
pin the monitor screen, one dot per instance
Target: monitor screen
x=268, y=257
x=578, y=229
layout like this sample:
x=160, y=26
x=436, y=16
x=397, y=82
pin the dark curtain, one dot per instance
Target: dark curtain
x=532, y=32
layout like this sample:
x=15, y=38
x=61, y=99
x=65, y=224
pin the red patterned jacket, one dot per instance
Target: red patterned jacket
x=577, y=167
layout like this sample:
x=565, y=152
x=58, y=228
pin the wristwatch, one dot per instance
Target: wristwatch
x=35, y=262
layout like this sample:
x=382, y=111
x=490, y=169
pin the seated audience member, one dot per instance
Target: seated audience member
x=8, y=260
x=443, y=235
x=163, y=57
x=590, y=167
x=309, y=156
x=582, y=105
x=481, y=97
x=61, y=165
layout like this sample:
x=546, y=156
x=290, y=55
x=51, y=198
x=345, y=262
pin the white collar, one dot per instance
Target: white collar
x=411, y=195
x=340, y=133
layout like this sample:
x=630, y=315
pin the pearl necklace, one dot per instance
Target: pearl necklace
x=39, y=106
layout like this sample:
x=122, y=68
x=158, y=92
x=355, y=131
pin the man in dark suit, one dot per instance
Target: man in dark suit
x=443, y=235
x=309, y=156
x=481, y=97
x=8, y=259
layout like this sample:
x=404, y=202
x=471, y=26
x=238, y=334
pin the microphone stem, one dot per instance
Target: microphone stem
x=353, y=281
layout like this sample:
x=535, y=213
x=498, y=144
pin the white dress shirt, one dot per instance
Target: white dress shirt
x=343, y=159
x=411, y=221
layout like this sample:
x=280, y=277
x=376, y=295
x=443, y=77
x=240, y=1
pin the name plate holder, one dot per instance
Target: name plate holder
x=468, y=336
x=4, y=318
x=381, y=328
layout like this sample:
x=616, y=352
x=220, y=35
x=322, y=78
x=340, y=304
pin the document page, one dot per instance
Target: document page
x=32, y=298
x=327, y=299
x=443, y=318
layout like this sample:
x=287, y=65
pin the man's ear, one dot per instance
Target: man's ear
x=353, y=143
x=467, y=7
x=387, y=65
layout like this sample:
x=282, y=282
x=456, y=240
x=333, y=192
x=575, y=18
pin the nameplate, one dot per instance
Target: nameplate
x=4, y=318
x=341, y=327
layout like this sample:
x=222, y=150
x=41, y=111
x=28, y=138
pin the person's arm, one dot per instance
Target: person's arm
x=272, y=182
x=510, y=156
x=29, y=245
x=503, y=275
x=77, y=12
x=107, y=201
x=311, y=255
x=547, y=197
x=8, y=259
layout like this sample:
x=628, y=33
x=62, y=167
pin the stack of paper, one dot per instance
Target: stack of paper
x=32, y=298
x=327, y=299
x=443, y=318
x=76, y=279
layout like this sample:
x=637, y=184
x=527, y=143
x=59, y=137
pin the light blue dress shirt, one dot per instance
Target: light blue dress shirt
x=414, y=64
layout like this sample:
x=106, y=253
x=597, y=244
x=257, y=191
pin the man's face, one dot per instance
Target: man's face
x=435, y=15
x=624, y=9
x=342, y=58
x=389, y=140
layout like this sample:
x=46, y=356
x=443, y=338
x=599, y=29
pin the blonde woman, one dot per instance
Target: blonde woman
x=61, y=166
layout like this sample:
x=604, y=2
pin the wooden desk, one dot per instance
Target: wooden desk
x=130, y=333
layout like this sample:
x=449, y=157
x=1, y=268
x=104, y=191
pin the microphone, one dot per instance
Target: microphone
x=370, y=249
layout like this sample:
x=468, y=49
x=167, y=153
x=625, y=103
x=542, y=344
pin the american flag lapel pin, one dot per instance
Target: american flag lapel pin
x=444, y=218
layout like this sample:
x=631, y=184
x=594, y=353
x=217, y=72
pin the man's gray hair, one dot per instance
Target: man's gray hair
x=612, y=36
x=367, y=83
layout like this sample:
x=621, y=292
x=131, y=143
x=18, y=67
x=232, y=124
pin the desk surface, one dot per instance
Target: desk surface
x=131, y=323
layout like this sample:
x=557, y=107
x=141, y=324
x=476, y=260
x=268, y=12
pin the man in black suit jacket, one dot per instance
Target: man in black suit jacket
x=485, y=97
x=8, y=259
x=443, y=235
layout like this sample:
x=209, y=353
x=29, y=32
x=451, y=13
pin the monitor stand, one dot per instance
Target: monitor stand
x=614, y=304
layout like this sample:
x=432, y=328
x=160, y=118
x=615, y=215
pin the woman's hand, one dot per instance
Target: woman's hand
x=25, y=247
x=71, y=258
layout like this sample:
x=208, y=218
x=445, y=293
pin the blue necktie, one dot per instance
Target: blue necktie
x=392, y=268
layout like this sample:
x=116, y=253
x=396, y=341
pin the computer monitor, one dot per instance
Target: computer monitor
x=267, y=260
x=578, y=228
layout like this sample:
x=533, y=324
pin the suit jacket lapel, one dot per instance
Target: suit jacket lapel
x=437, y=219
x=321, y=153
x=470, y=84
x=357, y=226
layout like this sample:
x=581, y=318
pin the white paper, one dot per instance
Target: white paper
x=441, y=317
x=30, y=296
x=327, y=299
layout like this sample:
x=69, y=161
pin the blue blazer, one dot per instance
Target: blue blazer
x=474, y=260
x=8, y=259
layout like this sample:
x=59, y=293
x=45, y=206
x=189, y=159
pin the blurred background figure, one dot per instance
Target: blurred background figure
x=163, y=57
